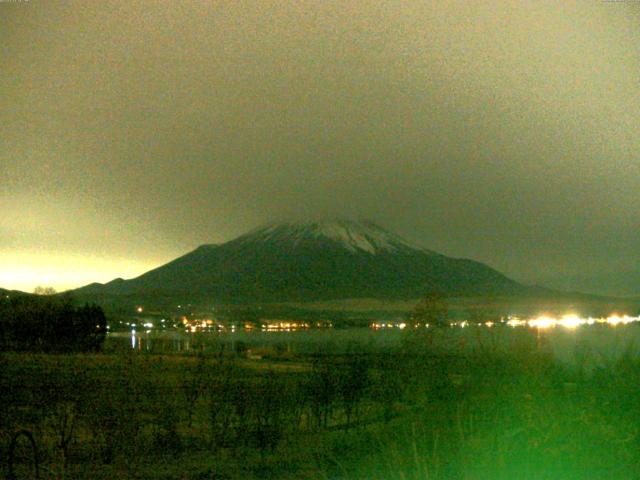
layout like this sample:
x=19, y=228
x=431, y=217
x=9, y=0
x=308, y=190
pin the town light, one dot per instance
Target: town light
x=543, y=322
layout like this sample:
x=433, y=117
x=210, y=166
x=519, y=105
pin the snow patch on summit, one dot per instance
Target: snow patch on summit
x=353, y=236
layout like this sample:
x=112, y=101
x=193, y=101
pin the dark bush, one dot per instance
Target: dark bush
x=50, y=324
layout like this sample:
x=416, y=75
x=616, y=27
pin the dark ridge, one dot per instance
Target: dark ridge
x=313, y=261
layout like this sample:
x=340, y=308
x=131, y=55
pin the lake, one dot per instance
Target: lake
x=586, y=345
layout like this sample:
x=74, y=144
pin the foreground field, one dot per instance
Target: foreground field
x=491, y=413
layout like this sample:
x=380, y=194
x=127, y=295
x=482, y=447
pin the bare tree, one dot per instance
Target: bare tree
x=432, y=310
x=39, y=290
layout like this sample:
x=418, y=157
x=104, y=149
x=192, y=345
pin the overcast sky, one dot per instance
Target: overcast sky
x=132, y=132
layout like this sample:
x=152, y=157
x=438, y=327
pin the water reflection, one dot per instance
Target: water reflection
x=566, y=339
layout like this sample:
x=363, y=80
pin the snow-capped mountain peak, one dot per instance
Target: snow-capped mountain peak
x=294, y=262
x=354, y=236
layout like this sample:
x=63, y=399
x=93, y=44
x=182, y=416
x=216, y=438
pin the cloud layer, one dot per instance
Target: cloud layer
x=505, y=131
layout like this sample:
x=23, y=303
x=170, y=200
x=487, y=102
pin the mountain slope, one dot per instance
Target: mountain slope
x=314, y=261
x=4, y=292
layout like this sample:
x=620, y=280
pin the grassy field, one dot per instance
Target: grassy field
x=511, y=413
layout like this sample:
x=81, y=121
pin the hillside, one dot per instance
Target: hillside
x=310, y=262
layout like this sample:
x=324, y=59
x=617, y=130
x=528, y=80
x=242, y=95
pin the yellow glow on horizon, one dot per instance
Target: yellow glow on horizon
x=26, y=271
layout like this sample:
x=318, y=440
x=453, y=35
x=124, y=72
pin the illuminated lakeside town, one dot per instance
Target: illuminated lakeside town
x=568, y=321
x=210, y=325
